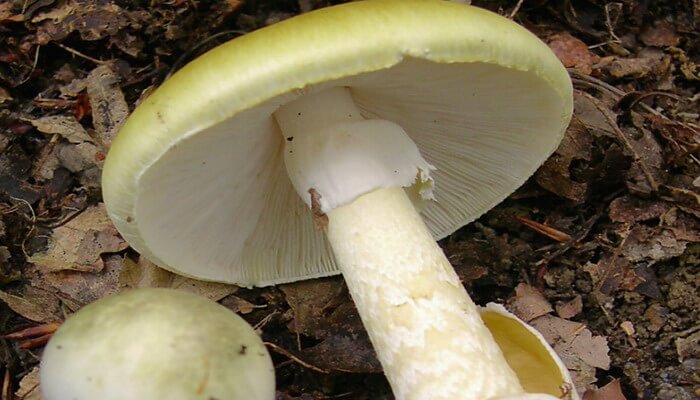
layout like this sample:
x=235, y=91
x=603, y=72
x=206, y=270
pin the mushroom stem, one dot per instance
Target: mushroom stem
x=426, y=330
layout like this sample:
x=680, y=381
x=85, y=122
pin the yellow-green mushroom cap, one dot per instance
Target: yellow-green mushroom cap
x=156, y=344
x=196, y=180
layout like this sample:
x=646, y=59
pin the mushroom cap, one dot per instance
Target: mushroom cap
x=156, y=344
x=196, y=181
x=537, y=365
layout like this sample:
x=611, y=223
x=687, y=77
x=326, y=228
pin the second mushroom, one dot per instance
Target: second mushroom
x=388, y=124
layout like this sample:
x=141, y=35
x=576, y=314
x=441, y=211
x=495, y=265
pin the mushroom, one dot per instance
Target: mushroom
x=156, y=344
x=388, y=124
x=540, y=371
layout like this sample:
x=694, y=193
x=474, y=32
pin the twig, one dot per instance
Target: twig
x=264, y=321
x=65, y=220
x=33, y=332
x=616, y=93
x=589, y=81
x=6, y=386
x=79, y=54
x=36, y=61
x=515, y=9
x=31, y=210
x=294, y=358
x=587, y=226
x=545, y=230
x=609, y=21
x=46, y=152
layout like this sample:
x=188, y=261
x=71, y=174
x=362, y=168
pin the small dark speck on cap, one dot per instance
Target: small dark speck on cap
x=289, y=139
x=243, y=349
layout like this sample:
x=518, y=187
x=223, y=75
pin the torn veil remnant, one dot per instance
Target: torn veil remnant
x=399, y=122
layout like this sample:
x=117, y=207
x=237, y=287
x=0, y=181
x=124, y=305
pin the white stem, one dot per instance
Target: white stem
x=425, y=329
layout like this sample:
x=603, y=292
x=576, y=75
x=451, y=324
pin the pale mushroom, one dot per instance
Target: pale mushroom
x=387, y=123
x=156, y=344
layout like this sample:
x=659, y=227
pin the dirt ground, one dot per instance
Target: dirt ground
x=599, y=250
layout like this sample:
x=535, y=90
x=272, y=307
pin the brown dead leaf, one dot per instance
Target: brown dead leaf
x=688, y=346
x=554, y=175
x=647, y=170
x=210, y=290
x=587, y=111
x=528, y=303
x=650, y=285
x=29, y=386
x=78, y=244
x=660, y=34
x=651, y=244
x=685, y=227
x=633, y=209
x=612, y=273
x=6, y=10
x=570, y=308
x=109, y=108
x=631, y=68
x=686, y=199
x=611, y=391
x=65, y=125
x=79, y=288
x=94, y=20
x=239, y=305
x=143, y=274
x=309, y=301
x=657, y=316
x=73, y=88
x=344, y=353
x=572, y=52
x=80, y=157
x=574, y=343
x=128, y=43
x=35, y=305
x=146, y=274
x=323, y=310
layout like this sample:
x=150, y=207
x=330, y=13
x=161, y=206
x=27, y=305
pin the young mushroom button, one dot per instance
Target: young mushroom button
x=156, y=344
x=386, y=123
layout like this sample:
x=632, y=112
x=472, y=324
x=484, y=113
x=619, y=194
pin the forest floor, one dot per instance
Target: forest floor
x=599, y=250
